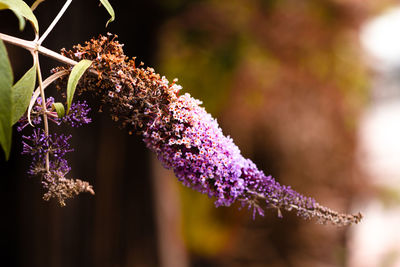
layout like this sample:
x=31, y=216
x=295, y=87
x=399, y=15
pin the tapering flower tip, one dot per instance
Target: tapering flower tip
x=189, y=141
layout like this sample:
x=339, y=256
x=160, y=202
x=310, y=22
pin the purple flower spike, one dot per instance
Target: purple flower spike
x=185, y=137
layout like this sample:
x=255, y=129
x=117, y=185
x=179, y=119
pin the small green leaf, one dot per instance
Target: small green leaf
x=110, y=10
x=76, y=74
x=6, y=80
x=22, y=93
x=59, y=107
x=21, y=10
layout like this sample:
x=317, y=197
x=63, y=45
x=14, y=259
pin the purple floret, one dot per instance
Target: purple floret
x=38, y=145
x=36, y=114
x=78, y=114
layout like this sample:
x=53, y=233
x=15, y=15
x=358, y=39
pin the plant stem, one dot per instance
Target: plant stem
x=32, y=46
x=54, y=22
x=45, y=121
x=50, y=53
x=29, y=45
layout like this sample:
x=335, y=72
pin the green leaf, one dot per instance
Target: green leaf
x=22, y=93
x=59, y=107
x=110, y=10
x=76, y=74
x=21, y=10
x=6, y=80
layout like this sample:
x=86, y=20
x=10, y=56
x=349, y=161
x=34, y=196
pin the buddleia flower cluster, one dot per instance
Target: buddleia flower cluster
x=186, y=138
x=48, y=150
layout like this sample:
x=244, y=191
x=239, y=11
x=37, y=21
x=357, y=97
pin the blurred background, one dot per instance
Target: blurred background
x=308, y=89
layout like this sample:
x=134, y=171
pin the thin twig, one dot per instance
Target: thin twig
x=49, y=53
x=45, y=121
x=29, y=45
x=32, y=46
x=54, y=22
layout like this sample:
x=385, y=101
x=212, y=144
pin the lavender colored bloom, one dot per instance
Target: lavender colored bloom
x=77, y=115
x=38, y=145
x=55, y=144
x=23, y=122
x=58, y=145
